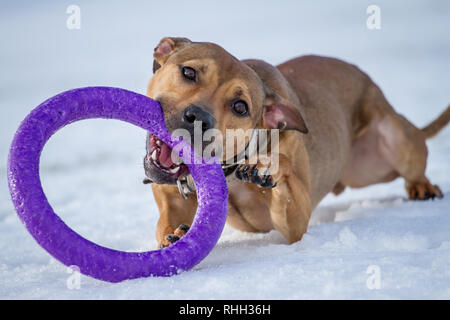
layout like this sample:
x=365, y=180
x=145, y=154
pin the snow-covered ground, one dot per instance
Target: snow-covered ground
x=92, y=171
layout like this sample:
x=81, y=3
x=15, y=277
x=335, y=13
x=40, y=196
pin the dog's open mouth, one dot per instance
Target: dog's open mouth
x=159, y=163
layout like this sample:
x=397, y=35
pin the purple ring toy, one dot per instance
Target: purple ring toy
x=65, y=244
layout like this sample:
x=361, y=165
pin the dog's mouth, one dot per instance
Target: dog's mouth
x=159, y=164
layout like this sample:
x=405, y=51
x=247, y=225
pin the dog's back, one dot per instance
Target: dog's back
x=356, y=138
x=330, y=91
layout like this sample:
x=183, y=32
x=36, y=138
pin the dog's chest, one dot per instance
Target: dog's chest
x=249, y=207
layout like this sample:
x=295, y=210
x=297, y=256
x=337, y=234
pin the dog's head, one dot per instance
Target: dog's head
x=200, y=81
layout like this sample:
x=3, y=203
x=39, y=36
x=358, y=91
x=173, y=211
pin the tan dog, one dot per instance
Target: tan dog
x=338, y=130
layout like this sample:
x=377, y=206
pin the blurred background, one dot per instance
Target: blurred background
x=92, y=170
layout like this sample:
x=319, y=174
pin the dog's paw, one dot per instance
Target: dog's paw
x=253, y=174
x=259, y=171
x=423, y=191
x=175, y=236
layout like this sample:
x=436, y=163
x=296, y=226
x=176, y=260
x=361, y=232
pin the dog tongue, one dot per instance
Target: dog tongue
x=165, y=156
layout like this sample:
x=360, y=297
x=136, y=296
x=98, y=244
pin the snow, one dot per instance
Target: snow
x=92, y=170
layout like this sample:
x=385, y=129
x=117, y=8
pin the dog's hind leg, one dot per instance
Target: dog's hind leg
x=403, y=146
x=388, y=146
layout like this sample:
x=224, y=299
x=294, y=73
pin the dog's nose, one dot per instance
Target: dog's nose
x=194, y=113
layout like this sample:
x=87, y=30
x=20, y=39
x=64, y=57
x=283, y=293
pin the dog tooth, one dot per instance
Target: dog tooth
x=158, y=143
x=154, y=155
x=175, y=170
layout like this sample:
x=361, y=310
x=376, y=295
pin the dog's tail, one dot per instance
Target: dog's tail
x=438, y=124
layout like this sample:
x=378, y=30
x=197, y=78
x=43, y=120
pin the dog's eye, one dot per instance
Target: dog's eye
x=239, y=107
x=189, y=73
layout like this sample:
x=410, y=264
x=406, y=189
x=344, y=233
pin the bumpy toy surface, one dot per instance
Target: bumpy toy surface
x=65, y=244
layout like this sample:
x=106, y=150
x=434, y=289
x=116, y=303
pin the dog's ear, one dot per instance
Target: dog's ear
x=279, y=113
x=165, y=48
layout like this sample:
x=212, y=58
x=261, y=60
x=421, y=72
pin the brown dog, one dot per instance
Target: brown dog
x=337, y=130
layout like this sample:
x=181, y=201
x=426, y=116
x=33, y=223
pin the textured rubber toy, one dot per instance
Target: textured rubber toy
x=65, y=244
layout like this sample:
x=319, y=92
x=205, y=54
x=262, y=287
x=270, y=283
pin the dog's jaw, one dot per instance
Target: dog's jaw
x=158, y=164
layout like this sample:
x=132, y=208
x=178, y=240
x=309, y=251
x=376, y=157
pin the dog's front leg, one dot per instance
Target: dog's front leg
x=290, y=202
x=175, y=213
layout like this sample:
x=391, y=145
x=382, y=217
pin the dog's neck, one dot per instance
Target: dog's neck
x=186, y=184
